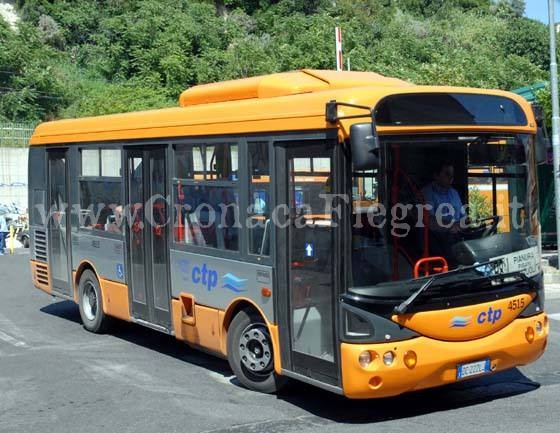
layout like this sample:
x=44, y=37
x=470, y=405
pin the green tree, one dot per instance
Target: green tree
x=97, y=97
x=479, y=205
x=70, y=51
x=158, y=41
x=31, y=87
x=518, y=7
x=428, y=8
x=509, y=8
x=544, y=99
x=526, y=38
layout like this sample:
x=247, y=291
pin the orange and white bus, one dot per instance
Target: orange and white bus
x=279, y=222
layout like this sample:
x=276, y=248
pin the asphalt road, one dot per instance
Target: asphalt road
x=56, y=377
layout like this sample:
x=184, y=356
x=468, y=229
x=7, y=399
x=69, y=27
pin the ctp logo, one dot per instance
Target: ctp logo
x=205, y=276
x=490, y=316
x=460, y=321
x=233, y=283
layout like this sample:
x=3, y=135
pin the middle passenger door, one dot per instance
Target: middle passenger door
x=147, y=235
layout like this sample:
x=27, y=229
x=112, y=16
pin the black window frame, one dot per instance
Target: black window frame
x=269, y=150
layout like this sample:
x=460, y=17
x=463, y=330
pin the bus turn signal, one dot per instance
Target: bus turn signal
x=410, y=359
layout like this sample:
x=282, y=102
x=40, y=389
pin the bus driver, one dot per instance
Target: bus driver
x=446, y=209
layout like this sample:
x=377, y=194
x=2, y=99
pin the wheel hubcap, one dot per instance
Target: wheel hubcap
x=89, y=301
x=255, y=349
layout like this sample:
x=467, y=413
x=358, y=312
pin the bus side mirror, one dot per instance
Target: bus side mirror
x=542, y=141
x=542, y=146
x=539, y=114
x=364, y=145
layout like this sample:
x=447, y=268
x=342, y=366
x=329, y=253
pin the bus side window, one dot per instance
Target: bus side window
x=259, y=198
x=206, y=195
x=100, y=189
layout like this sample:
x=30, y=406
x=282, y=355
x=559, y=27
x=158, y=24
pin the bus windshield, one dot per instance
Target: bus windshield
x=443, y=202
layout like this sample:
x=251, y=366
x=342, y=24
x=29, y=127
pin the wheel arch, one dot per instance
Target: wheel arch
x=235, y=307
x=84, y=265
x=103, y=321
x=241, y=304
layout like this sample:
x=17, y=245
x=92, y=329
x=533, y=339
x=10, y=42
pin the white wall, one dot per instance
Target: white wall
x=13, y=175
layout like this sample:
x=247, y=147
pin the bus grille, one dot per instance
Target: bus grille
x=40, y=245
x=42, y=274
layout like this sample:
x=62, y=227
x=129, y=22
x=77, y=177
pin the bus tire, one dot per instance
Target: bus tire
x=250, y=355
x=90, y=303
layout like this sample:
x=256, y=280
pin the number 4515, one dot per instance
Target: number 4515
x=516, y=304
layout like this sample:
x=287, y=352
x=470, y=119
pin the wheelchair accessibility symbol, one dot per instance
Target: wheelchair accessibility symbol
x=120, y=271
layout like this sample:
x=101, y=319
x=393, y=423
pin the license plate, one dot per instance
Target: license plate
x=473, y=369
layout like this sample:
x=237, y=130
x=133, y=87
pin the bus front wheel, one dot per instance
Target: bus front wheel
x=90, y=303
x=250, y=355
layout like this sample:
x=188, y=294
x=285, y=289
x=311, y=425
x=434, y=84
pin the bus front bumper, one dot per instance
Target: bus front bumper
x=437, y=361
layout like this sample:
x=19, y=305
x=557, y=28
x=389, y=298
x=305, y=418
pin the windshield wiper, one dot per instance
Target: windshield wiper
x=405, y=305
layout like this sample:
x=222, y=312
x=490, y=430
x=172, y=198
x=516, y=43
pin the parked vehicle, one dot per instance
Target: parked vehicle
x=22, y=235
x=17, y=218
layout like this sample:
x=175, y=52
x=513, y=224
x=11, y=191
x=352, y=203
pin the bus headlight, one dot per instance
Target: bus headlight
x=365, y=358
x=388, y=358
x=539, y=327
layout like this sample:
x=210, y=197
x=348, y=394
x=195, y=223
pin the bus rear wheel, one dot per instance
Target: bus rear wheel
x=90, y=303
x=250, y=355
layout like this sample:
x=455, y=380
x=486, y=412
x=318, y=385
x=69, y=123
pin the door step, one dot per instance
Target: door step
x=154, y=326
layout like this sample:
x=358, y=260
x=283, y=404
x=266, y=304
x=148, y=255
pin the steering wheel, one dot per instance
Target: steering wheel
x=481, y=228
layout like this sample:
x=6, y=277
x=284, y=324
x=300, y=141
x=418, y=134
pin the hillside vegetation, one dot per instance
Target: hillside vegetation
x=85, y=57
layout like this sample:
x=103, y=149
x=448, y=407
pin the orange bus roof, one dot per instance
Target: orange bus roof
x=283, y=84
x=277, y=102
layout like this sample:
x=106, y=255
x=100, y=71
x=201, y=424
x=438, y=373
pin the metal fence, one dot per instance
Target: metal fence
x=13, y=134
x=14, y=141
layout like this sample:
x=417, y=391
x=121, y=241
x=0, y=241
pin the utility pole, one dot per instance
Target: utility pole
x=555, y=120
x=338, y=48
